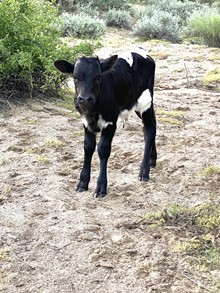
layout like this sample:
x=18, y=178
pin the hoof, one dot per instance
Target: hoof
x=81, y=188
x=145, y=179
x=153, y=163
x=99, y=195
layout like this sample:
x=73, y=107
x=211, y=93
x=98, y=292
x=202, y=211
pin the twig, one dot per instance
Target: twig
x=186, y=73
x=190, y=279
x=195, y=282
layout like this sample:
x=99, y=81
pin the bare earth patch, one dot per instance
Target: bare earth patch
x=54, y=240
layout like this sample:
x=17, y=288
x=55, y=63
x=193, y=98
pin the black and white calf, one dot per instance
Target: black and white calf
x=105, y=89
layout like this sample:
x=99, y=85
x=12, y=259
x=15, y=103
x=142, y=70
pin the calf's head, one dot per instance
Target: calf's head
x=87, y=73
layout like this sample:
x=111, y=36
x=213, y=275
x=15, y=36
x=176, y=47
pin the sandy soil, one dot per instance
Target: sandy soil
x=54, y=240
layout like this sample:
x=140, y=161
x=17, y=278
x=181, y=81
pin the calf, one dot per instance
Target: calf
x=105, y=89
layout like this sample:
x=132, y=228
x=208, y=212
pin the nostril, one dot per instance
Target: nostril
x=80, y=99
x=89, y=99
x=85, y=99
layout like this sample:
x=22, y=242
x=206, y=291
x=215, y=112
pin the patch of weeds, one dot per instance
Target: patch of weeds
x=159, y=56
x=15, y=148
x=198, y=58
x=30, y=150
x=42, y=159
x=213, y=58
x=170, y=120
x=186, y=246
x=212, y=79
x=76, y=133
x=27, y=121
x=5, y=193
x=171, y=113
x=197, y=236
x=145, y=268
x=54, y=143
x=210, y=170
x=4, y=161
x=171, y=117
x=206, y=216
x=3, y=253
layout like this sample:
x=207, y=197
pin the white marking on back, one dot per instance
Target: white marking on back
x=144, y=102
x=127, y=56
x=141, y=51
x=102, y=124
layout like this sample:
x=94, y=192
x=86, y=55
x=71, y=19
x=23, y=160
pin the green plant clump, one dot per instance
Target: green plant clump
x=119, y=18
x=164, y=19
x=82, y=25
x=206, y=216
x=29, y=45
x=211, y=169
x=205, y=25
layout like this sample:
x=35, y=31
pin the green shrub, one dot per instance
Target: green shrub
x=82, y=25
x=164, y=19
x=162, y=25
x=205, y=25
x=119, y=18
x=180, y=9
x=29, y=45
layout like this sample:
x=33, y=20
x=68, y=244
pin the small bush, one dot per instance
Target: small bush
x=82, y=25
x=180, y=9
x=164, y=19
x=205, y=25
x=161, y=25
x=119, y=18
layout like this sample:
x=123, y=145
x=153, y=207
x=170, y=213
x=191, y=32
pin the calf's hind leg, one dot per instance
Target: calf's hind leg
x=150, y=152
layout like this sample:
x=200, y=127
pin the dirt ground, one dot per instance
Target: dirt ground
x=55, y=240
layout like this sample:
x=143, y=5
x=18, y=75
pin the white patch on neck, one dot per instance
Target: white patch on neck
x=144, y=102
x=102, y=124
x=84, y=121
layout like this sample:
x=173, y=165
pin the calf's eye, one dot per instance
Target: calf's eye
x=75, y=79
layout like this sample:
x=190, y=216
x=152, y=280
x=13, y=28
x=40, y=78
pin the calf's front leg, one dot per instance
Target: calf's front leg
x=89, y=148
x=104, y=150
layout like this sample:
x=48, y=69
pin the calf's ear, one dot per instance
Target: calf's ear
x=106, y=64
x=64, y=66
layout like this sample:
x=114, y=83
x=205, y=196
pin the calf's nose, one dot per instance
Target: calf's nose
x=86, y=99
